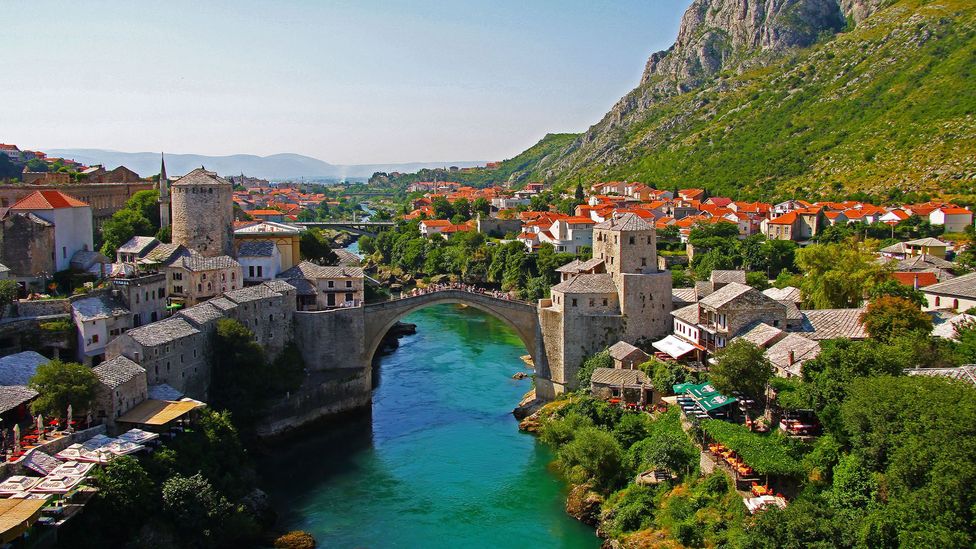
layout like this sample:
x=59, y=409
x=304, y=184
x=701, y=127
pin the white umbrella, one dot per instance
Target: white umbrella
x=16, y=439
x=40, y=427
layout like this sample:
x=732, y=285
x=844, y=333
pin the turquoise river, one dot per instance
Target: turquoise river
x=439, y=462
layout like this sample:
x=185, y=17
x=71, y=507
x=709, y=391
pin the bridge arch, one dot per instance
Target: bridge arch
x=521, y=317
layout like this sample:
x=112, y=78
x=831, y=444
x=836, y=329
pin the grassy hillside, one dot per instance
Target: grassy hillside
x=883, y=108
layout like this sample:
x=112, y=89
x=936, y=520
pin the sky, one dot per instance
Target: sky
x=346, y=82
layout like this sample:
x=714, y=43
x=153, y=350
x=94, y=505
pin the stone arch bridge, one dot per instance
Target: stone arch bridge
x=519, y=315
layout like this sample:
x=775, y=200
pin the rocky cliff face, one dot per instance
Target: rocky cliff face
x=716, y=34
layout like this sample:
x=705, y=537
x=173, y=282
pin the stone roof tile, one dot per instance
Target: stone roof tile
x=117, y=371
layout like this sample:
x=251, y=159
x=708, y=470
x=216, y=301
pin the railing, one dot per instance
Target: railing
x=467, y=288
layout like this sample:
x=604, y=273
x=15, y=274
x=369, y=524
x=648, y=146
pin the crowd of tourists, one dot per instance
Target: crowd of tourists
x=471, y=288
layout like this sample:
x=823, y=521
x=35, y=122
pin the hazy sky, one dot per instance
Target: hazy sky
x=347, y=82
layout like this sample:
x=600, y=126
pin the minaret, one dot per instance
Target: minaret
x=163, y=193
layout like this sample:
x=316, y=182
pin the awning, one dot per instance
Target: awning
x=158, y=412
x=706, y=396
x=682, y=388
x=16, y=516
x=673, y=346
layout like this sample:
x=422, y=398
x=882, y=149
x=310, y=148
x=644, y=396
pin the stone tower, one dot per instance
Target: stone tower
x=203, y=213
x=619, y=294
x=164, y=215
x=628, y=247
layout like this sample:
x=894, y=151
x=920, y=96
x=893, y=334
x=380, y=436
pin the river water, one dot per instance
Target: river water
x=440, y=461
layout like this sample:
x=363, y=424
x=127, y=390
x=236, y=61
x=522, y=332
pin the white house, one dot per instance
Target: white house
x=958, y=294
x=72, y=221
x=954, y=218
x=260, y=260
x=98, y=319
x=569, y=234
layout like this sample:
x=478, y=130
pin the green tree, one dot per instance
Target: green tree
x=741, y=367
x=592, y=456
x=315, y=247
x=60, y=384
x=9, y=290
x=578, y=194
x=462, y=209
x=36, y=165
x=123, y=225
x=836, y=276
x=757, y=280
x=893, y=288
x=124, y=490
x=442, y=208
x=597, y=360
x=238, y=375
x=667, y=449
x=887, y=318
x=196, y=507
x=480, y=206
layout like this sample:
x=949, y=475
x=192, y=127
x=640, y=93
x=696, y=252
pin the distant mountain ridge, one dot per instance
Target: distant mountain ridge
x=276, y=166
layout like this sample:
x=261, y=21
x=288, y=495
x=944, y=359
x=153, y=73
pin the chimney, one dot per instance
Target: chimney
x=915, y=283
x=792, y=357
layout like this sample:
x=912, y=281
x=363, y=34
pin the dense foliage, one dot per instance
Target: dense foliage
x=741, y=367
x=139, y=217
x=60, y=384
x=467, y=257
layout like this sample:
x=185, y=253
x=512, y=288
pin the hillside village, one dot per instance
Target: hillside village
x=145, y=320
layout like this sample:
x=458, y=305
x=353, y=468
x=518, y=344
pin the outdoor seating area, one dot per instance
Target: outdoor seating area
x=60, y=491
x=730, y=458
x=759, y=503
x=800, y=424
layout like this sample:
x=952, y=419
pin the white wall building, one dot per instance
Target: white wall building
x=72, y=221
x=260, y=260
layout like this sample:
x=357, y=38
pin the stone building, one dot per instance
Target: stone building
x=72, y=221
x=172, y=351
x=617, y=295
x=98, y=319
x=104, y=198
x=320, y=288
x=144, y=295
x=203, y=213
x=121, y=386
x=195, y=278
x=27, y=246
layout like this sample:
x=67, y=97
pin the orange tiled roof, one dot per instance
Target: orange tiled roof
x=908, y=278
x=47, y=200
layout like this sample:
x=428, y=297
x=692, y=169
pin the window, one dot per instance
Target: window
x=223, y=277
x=632, y=241
x=592, y=302
x=250, y=271
x=332, y=284
x=349, y=284
x=348, y=297
x=955, y=303
x=604, y=302
x=203, y=277
x=938, y=301
x=260, y=273
x=233, y=275
x=94, y=338
x=643, y=262
x=199, y=287
x=574, y=302
x=64, y=252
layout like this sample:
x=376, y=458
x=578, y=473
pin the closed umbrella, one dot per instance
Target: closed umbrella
x=69, y=418
x=40, y=427
x=16, y=439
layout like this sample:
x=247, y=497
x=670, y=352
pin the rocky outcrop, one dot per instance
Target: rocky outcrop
x=583, y=504
x=716, y=34
x=859, y=10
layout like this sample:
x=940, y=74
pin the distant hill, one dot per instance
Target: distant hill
x=777, y=98
x=276, y=166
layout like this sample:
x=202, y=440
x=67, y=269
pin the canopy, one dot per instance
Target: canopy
x=16, y=516
x=673, y=346
x=158, y=412
x=706, y=396
x=681, y=388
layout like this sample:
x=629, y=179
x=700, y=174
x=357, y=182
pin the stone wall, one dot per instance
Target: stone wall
x=323, y=394
x=499, y=227
x=27, y=245
x=647, y=305
x=332, y=339
x=43, y=307
x=104, y=198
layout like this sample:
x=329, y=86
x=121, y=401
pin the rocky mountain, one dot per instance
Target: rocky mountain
x=762, y=98
x=276, y=166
